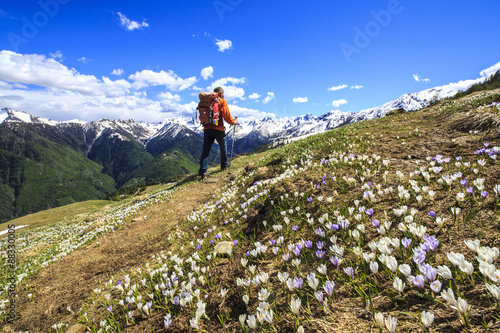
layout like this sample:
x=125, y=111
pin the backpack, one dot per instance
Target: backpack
x=208, y=108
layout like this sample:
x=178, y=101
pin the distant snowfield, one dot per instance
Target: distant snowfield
x=17, y=227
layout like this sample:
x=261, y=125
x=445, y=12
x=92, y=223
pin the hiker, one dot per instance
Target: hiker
x=216, y=132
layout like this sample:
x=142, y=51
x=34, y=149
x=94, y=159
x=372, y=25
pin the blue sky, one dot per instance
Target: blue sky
x=148, y=60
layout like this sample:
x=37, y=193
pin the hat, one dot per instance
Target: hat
x=219, y=90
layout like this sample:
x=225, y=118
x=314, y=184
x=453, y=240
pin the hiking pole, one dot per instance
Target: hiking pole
x=232, y=149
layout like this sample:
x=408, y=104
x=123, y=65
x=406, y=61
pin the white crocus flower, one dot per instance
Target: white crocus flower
x=405, y=270
x=242, y=319
x=391, y=323
x=251, y=322
x=472, y=244
x=427, y=318
x=466, y=267
x=295, y=305
x=322, y=269
x=398, y=284
x=263, y=294
x=379, y=319
x=494, y=290
x=449, y=297
x=445, y=272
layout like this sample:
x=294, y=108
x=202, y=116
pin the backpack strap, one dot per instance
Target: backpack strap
x=215, y=100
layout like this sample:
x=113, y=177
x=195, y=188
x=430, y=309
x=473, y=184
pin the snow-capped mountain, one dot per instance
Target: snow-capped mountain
x=248, y=135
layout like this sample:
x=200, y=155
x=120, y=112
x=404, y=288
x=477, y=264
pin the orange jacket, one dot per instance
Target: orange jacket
x=224, y=115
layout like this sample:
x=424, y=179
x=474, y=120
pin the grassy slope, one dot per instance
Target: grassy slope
x=309, y=188
x=56, y=176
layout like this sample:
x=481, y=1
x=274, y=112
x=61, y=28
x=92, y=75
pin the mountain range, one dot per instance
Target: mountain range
x=46, y=163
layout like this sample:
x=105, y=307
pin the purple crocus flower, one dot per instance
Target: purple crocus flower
x=419, y=281
x=432, y=214
x=212, y=242
x=295, y=228
x=297, y=282
x=432, y=241
x=247, y=254
x=349, y=271
x=320, y=254
x=484, y=194
x=376, y=223
x=308, y=244
x=369, y=212
x=436, y=286
x=235, y=242
x=425, y=247
x=428, y=272
x=335, y=260
x=419, y=256
x=110, y=309
x=319, y=296
x=464, y=182
x=335, y=226
x=296, y=251
x=310, y=199
x=486, y=144
x=470, y=190
x=272, y=242
x=329, y=287
x=198, y=247
x=406, y=242
x=344, y=224
x=320, y=245
x=286, y=256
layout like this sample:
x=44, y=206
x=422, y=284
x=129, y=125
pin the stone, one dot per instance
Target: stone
x=77, y=328
x=223, y=247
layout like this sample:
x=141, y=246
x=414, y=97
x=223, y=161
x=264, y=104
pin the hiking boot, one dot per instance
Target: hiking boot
x=203, y=176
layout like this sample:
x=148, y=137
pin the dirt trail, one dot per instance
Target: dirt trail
x=70, y=281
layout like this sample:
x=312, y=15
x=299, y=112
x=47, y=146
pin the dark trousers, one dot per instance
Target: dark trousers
x=209, y=136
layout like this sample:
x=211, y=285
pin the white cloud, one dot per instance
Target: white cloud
x=47, y=72
x=83, y=60
x=245, y=114
x=228, y=84
x=207, y=72
x=335, y=88
x=338, y=103
x=169, y=79
x=254, y=96
x=357, y=86
x=417, y=78
x=224, y=44
x=270, y=96
x=117, y=71
x=56, y=55
x=168, y=96
x=62, y=93
x=300, y=100
x=130, y=25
